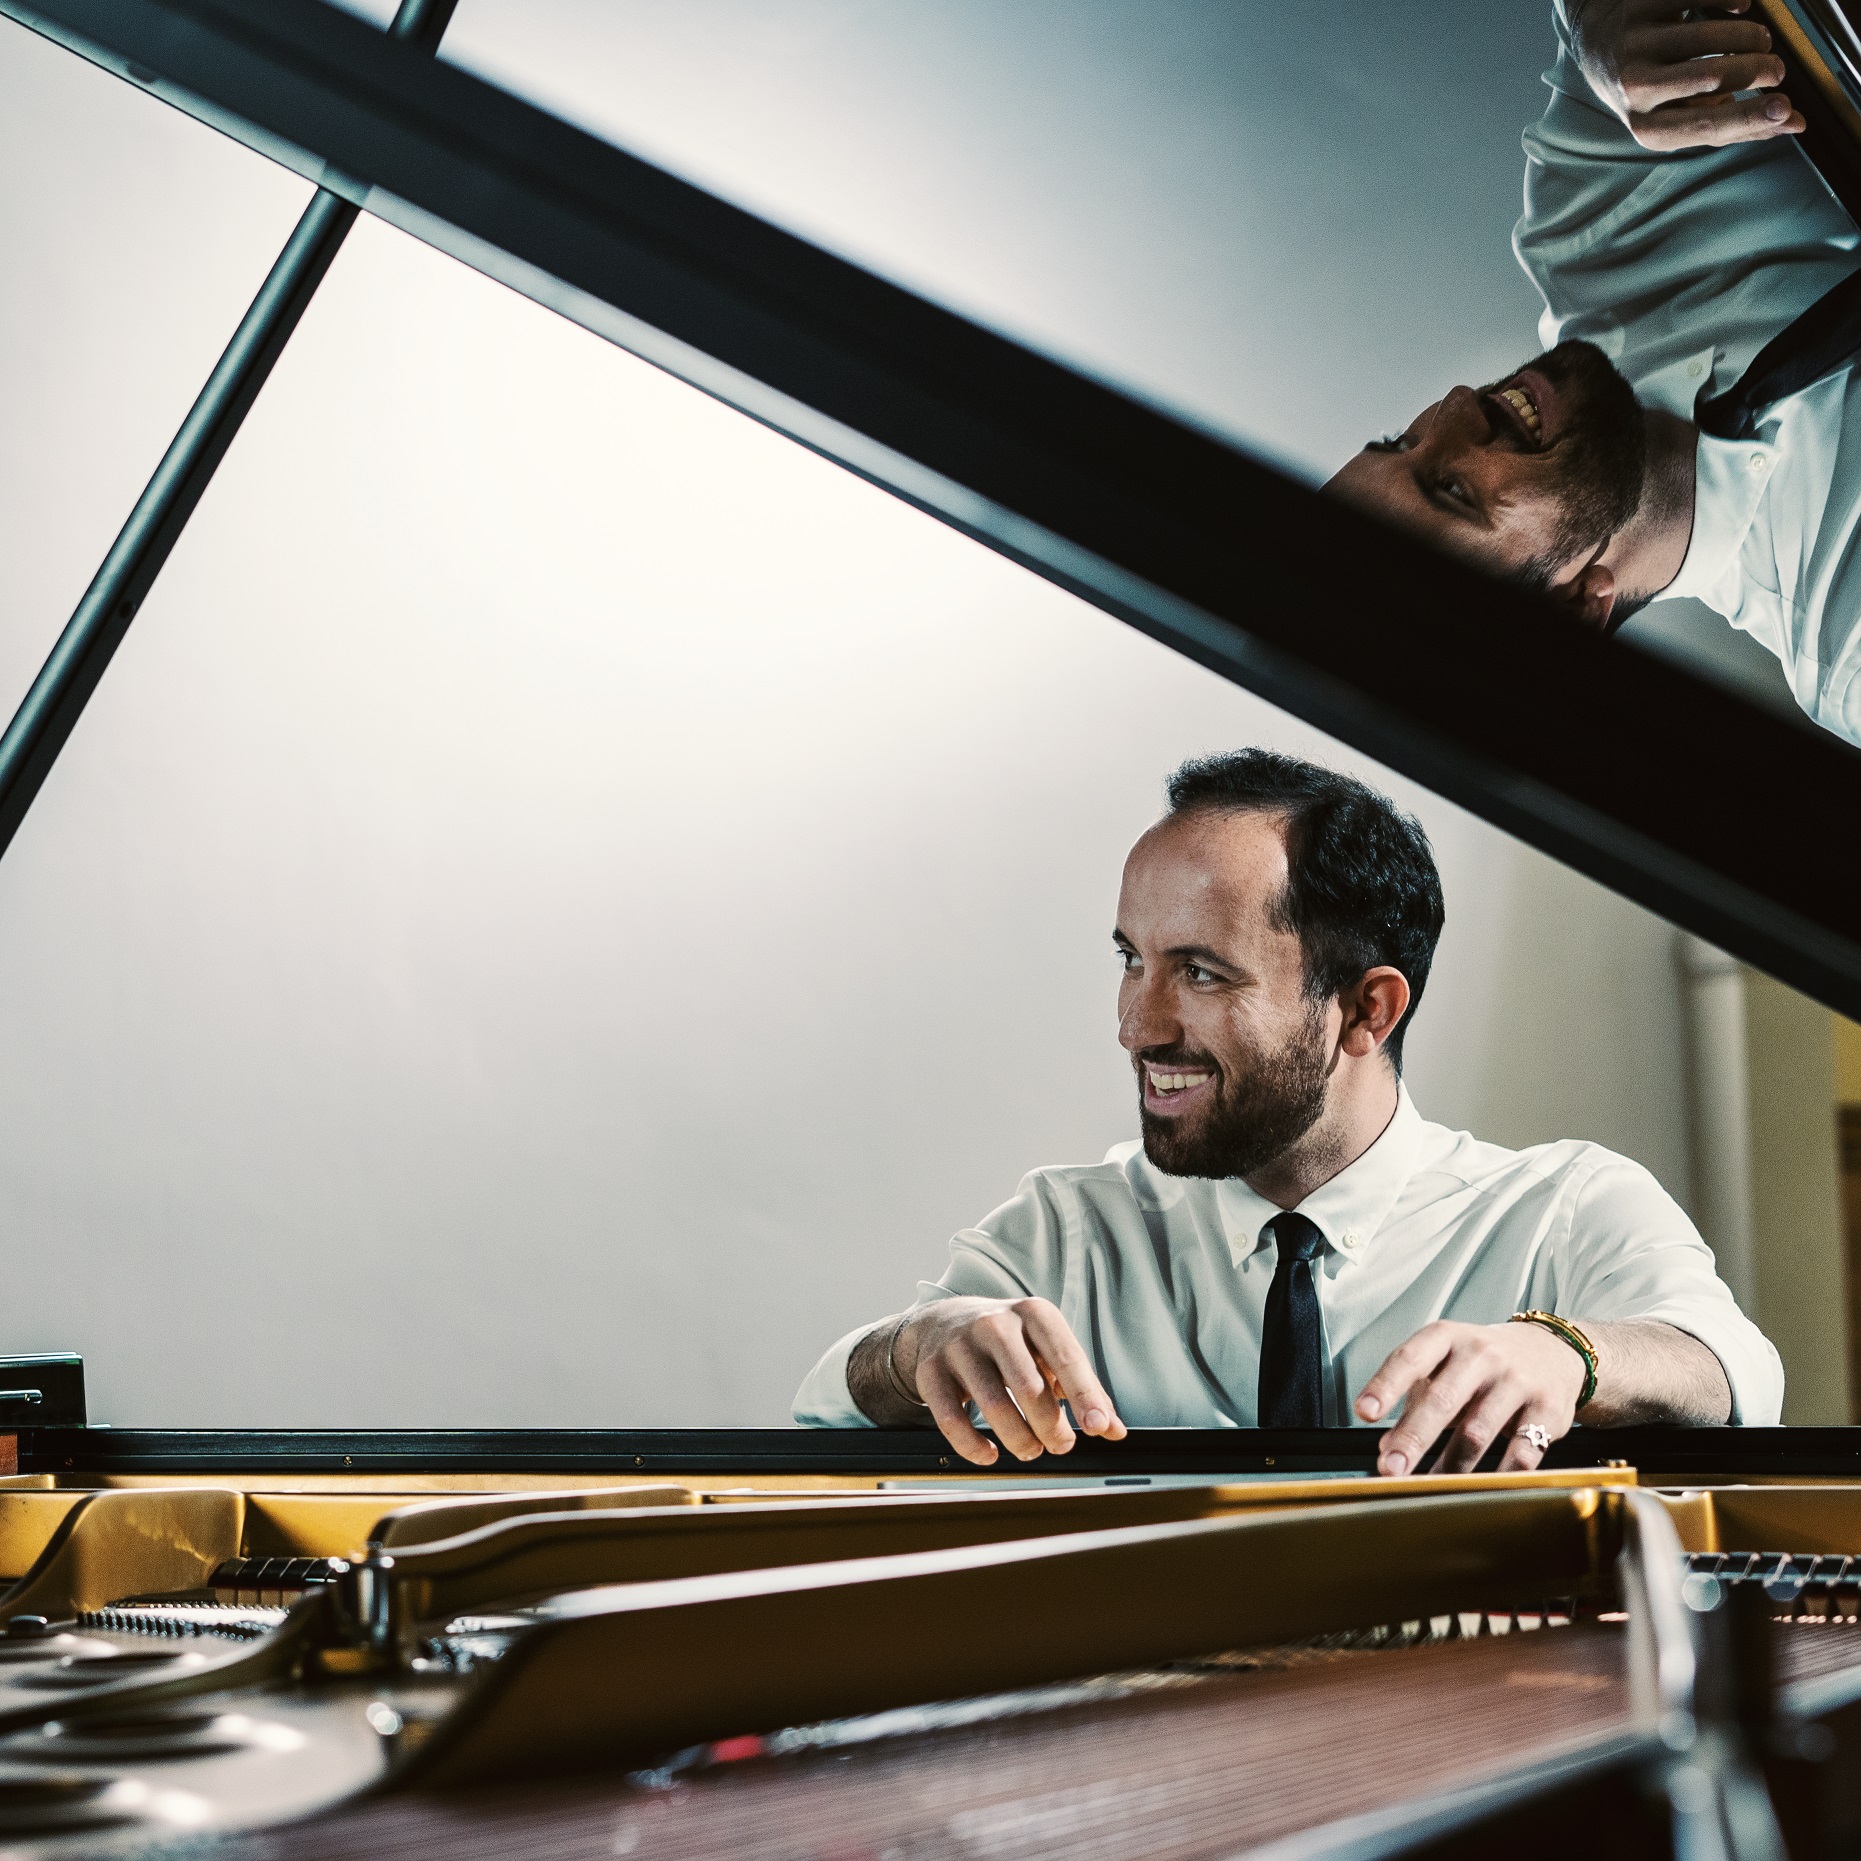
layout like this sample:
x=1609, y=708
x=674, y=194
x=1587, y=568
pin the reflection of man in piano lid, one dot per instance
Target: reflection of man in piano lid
x=1556, y=476
x=1291, y=1244
x=1670, y=223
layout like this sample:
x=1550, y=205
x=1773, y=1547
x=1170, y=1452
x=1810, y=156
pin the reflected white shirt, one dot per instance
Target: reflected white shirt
x=1681, y=268
x=1164, y=1279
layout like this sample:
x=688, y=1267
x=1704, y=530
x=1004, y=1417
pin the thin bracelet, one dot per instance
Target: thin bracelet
x=1563, y=1328
x=891, y=1368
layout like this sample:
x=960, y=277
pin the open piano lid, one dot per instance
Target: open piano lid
x=1660, y=785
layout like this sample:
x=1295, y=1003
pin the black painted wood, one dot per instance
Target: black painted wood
x=1684, y=1452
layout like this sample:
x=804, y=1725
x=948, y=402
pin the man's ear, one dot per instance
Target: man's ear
x=1372, y=1010
x=1590, y=595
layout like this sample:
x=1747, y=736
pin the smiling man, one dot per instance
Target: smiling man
x=1290, y=1243
x=1557, y=477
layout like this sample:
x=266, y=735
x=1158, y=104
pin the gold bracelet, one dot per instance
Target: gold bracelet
x=1563, y=1328
x=891, y=1367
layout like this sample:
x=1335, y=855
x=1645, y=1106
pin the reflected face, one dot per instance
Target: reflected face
x=1232, y=1055
x=1529, y=477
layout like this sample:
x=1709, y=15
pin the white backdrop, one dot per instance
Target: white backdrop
x=565, y=900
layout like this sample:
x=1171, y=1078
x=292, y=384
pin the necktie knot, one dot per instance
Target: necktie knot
x=1296, y=1236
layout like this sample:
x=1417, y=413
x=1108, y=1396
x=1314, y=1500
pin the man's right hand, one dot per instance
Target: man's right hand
x=1674, y=80
x=1015, y=1359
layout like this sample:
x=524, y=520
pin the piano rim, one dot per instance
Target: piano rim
x=1661, y=1455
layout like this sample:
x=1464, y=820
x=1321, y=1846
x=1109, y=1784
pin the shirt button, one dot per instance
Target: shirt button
x=1696, y=368
x=1759, y=463
x=1348, y=1240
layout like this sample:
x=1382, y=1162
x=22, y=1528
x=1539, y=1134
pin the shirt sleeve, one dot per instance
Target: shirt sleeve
x=1582, y=169
x=1015, y=1253
x=1838, y=707
x=1632, y=1253
x=1653, y=256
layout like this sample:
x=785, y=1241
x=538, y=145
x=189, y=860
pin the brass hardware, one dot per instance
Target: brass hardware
x=617, y=1673
x=427, y=1520
x=107, y=1545
x=522, y=1559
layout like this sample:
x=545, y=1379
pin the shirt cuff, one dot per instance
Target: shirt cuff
x=823, y=1400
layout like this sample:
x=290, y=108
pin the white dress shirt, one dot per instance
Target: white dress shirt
x=1681, y=268
x=1164, y=1279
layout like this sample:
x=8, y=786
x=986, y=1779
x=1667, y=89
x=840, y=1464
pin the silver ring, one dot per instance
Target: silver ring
x=1536, y=1435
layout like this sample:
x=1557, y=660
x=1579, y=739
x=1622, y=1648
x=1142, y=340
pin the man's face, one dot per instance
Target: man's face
x=1232, y=1055
x=1529, y=477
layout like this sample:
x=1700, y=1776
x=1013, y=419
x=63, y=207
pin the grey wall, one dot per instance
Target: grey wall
x=1292, y=221
x=564, y=900
x=1796, y=1197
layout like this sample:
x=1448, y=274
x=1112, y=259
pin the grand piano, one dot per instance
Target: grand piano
x=560, y=1642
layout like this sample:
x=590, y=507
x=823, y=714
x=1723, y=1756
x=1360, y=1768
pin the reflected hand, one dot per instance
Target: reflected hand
x=1673, y=73
x=1481, y=1380
x=1014, y=1359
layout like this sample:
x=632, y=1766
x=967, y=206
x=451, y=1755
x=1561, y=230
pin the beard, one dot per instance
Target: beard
x=1248, y=1122
x=1601, y=454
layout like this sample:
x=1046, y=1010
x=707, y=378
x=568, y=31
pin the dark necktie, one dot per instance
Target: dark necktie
x=1827, y=336
x=1292, y=1347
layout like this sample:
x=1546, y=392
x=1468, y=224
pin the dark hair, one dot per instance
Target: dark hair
x=1361, y=885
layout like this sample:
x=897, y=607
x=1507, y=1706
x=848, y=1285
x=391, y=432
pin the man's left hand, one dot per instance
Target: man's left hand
x=1482, y=1381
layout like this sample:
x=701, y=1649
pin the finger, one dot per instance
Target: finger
x=1776, y=110
x=1520, y=1455
x=1006, y=1345
x=943, y=1393
x=1491, y=1414
x=1428, y=1413
x=1716, y=123
x=981, y=1378
x=1065, y=1360
x=1699, y=77
x=1676, y=42
x=1404, y=1367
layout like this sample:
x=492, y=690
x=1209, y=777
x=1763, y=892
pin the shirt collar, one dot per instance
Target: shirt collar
x=1350, y=1208
x=1729, y=479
